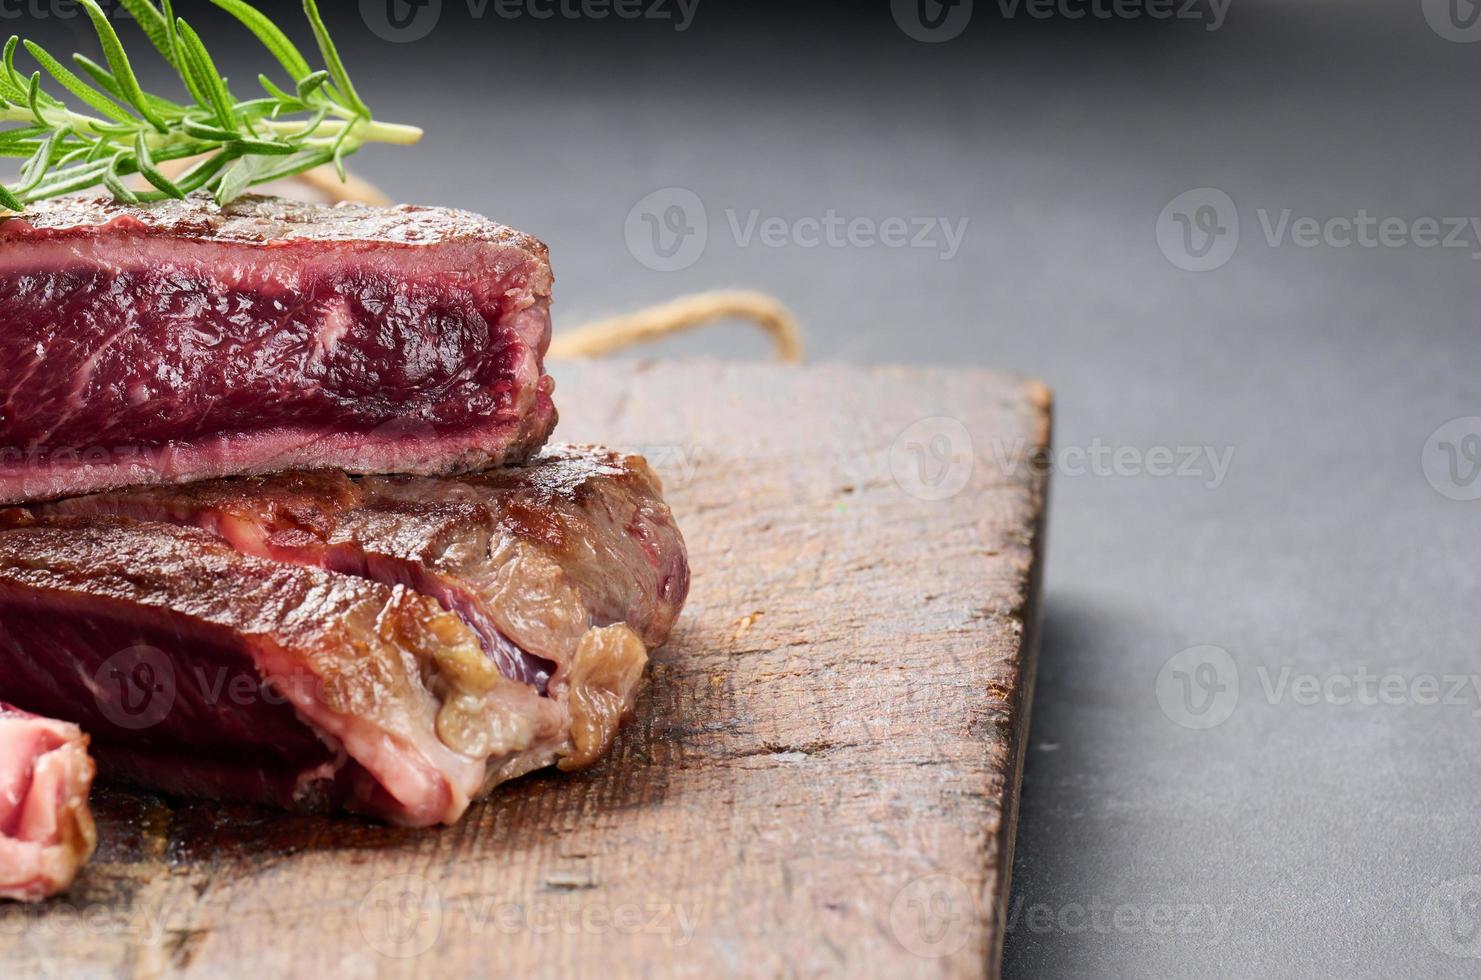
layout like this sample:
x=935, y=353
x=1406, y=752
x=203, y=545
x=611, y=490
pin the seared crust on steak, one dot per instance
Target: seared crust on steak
x=259, y=220
x=595, y=517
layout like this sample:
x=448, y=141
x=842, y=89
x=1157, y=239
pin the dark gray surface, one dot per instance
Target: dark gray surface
x=1321, y=835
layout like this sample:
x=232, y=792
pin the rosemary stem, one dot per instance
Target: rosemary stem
x=395, y=134
x=364, y=132
x=69, y=120
x=372, y=131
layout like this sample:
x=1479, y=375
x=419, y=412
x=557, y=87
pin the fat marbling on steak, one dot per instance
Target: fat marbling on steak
x=46, y=829
x=423, y=638
x=179, y=341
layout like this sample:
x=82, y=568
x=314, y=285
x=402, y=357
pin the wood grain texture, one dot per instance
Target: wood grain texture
x=821, y=778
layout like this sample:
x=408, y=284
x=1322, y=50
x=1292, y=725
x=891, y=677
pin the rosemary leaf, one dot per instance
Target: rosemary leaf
x=104, y=79
x=10, y=87
x=204, y=172
x=118, y=61
x=296, y=164
x=256, y=147
x=268, y=33
x=208, y=84
x=35, y=168
x=242, y=173
x=77, y=86
x=310, y=84
x=146, y=166
x=117, y=187
x=154, y=25
x=332, y=62
x=278, y=94
x=206, y=131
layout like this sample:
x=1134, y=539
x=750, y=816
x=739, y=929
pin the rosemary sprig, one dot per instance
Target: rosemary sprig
x=113, y=129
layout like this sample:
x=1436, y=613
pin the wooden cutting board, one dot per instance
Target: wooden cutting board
x=822, y=776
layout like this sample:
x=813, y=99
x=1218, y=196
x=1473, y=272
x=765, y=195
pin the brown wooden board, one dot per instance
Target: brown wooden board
x=823, y=770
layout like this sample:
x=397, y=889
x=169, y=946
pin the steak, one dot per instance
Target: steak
x=578, y=537
x=523, y=599
x=46, y=830
x=201, y=671
x=180, y=341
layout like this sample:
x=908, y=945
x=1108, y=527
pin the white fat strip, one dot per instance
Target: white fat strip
x=335, y=324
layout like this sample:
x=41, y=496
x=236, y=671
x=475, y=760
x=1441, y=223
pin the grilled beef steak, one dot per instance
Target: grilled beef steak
x=523, y=598
x=180, y=341
x=46, y=831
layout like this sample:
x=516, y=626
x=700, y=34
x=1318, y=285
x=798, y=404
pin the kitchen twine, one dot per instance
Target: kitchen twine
x=619, y=332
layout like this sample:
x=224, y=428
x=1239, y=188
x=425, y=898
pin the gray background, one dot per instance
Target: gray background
x=1327, y=839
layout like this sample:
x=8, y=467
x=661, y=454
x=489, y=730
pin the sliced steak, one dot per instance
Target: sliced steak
x=202, y=671
x=179, y=341
x=521, y=598
x=531, y=558
x=46, y=830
